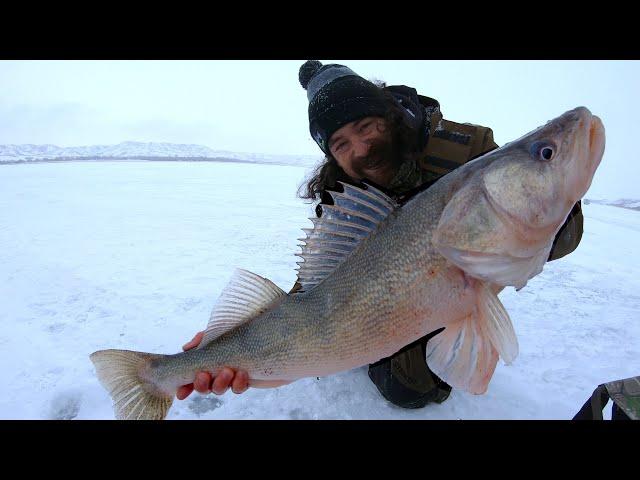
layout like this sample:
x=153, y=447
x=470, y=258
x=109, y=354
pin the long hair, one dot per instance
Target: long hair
x=328, y=173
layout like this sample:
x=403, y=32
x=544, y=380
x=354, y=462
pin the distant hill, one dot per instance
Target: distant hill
x=623, y=203
x=144, y=151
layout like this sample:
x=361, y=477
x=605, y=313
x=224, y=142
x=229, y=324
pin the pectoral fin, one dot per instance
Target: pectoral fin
x=499, y=327
x=465, y=354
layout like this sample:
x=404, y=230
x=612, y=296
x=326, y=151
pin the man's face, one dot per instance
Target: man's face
x=364, y=149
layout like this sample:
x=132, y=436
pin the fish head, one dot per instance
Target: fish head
x=538, y=178
x=506, y=209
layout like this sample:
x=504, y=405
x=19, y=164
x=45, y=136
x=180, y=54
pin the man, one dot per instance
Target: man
x=398, y=140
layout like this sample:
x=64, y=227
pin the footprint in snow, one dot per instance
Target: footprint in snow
x=56, y=327
x=299, y=414
x=65, y=406
x=200, y=405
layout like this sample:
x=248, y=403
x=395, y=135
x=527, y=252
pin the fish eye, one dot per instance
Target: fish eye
x=543, y=151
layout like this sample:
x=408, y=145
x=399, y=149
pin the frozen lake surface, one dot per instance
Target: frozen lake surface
x=133, y=255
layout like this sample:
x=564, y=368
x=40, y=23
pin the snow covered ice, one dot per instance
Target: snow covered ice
x=133, y=255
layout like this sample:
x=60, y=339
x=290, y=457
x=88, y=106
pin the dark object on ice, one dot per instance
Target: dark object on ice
x=569, y=235
x=405, y=380
x=626, y=401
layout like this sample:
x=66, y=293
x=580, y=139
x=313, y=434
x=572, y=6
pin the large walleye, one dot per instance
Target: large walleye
x=376, y=277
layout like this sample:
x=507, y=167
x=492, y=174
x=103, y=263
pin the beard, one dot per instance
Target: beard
x=383, y=157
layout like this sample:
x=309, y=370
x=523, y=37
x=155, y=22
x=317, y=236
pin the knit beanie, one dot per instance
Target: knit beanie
x=337, y=95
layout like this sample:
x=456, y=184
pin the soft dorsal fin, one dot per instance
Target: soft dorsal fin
x=337, y=233
x=246, y=296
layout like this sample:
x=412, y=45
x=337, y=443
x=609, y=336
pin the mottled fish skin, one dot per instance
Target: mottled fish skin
x=375, y=303
x=437, y=261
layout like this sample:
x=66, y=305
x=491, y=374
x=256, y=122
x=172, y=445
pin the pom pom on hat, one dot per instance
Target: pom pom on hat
x=307, y=71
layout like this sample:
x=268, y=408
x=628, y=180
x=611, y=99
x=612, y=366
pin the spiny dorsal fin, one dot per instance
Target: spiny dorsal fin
x=337, y=233
x=245, y=297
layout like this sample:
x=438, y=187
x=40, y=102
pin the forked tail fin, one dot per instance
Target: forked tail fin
x=134, y=398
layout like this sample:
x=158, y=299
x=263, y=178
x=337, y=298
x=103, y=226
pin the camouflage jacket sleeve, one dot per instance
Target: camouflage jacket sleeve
x=482, y=142
x=569, y=236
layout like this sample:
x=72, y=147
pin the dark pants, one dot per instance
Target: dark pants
x=405, y=380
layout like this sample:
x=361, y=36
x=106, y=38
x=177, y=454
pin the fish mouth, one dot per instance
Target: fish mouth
x=585, y=135
x=594, y=143
x=594, y=131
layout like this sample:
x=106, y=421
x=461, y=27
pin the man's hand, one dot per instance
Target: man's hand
x=206, y=383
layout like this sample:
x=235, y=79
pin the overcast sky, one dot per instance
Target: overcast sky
x=259, y=106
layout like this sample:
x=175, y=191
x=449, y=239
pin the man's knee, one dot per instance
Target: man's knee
x=405, y=380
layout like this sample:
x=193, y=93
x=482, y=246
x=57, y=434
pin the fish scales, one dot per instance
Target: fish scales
x=364, y=311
